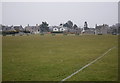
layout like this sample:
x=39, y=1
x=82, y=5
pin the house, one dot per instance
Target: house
x=58, y=29
x=33, y=29
x=72, y=31
x=18, y=28
x=78, y=30
x=114, y=29
x=7, y=28
x=88, y=31
x=101, y=29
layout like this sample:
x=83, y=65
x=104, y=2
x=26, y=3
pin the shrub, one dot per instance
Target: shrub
x=77, y=34
x=53, y=34
x=64, y=33
x=42, y=34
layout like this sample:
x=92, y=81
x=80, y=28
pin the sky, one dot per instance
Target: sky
x=54, y=13
x=0, y=13
x=119, y=12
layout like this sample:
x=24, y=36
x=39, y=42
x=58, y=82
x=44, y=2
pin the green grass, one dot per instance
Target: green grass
x=0, y=58
x=52, y=58
x=103, y=70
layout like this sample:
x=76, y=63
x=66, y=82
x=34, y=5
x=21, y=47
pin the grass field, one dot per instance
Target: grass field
x=53, y=58
x=0, y=58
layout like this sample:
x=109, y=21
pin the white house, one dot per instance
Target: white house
x=55, y=29
x=62, y=29
x=58, y=29
x=88, y=31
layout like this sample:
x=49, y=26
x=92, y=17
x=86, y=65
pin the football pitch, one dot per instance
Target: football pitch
x=53, y=58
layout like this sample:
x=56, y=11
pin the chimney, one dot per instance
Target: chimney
x=36, y=25
x=96, y=26
x=103, y=25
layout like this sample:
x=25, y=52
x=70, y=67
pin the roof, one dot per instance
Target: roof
x=18, y=27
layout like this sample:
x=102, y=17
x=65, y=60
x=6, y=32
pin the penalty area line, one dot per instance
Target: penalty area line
x=87, y=65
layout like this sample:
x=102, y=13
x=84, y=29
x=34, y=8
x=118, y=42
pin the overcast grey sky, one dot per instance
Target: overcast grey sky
x=23, y=13
x=0, y=13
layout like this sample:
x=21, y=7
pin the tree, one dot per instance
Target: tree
x=68, y=24
x=75, y=26
x=65, y=25
x=85, y=26
x=44, y=27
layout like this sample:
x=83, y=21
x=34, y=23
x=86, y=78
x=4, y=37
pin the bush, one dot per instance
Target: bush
x=77, y=34
x=42, y=34
x=53, y=34
x=64, y=33
x=99, y=34
x=21, y=35
x=13, y=34
x=27, y=34
x=0, y=32
x=4, y=34
x=9, y=32
x=26, y=31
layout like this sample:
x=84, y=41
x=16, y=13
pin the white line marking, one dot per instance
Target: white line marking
x=87, y=65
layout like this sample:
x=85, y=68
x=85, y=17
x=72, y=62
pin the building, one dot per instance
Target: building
x=89, y=31
x=101, y=29
x=18, y=28
x=33, y=29
x=7, y=28
x=58, y=29
x=85, y=26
